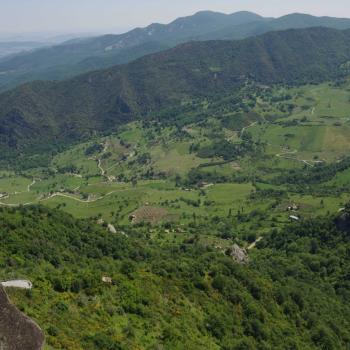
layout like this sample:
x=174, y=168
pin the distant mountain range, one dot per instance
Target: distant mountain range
x=79, y=56
x=14, y=47
x=38, y=116
x=14, y=44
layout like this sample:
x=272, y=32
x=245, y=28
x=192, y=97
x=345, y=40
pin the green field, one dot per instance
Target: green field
x=111, y=177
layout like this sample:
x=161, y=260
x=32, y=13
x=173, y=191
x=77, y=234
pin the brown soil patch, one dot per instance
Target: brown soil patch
x=149, y=214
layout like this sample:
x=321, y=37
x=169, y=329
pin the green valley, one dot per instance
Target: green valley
x=209, y=167
x=195, y=198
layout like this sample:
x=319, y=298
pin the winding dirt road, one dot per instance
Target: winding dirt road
x=285, y=156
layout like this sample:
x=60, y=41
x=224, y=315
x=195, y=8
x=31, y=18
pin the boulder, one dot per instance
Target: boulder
x=17, y=331
x=238, y=254
x=343, y=222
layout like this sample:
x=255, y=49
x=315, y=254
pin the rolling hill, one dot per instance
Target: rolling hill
x=80, y=56
x=42, y=115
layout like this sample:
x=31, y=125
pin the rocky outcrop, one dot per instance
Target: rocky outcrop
x=17, y=331
x=343, y=221
x=238, y=254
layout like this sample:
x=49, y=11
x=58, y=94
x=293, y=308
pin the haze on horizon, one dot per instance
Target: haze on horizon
x=67, y=16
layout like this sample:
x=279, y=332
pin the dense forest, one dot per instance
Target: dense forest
x=293, y=293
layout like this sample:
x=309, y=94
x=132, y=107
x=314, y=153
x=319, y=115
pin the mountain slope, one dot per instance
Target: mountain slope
x=294, y=293
x=295, y=21
x=13, y=47
x=69, y=59
x=40, y=115
x=80, y=56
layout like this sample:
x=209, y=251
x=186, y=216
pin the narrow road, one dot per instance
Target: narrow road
x=30, y=185
x=253, y=245
x=100, y=167
x=16, y=205
x=59, y=194
x=247, y=127
x=99, y=160
x=284, y=155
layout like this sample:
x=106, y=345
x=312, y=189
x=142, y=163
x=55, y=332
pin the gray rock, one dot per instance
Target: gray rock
x=238, y=254
x=17, y=331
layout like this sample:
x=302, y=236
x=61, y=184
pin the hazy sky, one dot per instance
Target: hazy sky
x=105, y=15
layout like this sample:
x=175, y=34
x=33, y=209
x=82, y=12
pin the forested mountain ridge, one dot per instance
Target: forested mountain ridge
x=291, y=21
x=8, y=48
x=40, y=115
x=79, y=56
x=75, y=57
